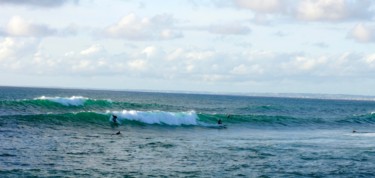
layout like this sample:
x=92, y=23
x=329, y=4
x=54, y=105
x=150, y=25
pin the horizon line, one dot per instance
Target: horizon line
x=254, y=94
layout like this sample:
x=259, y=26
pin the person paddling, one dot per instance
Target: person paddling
x=117, y=133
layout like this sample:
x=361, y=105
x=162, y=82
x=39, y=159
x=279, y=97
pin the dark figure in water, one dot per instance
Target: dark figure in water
x=219, y=122
x=117, y=133
x=354, y=131
x=114, y=119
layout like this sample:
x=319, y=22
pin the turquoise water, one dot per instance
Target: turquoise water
x=69, y=133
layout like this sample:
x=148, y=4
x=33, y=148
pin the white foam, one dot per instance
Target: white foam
x=67, y=101
x=365, y=134
x=158, y=117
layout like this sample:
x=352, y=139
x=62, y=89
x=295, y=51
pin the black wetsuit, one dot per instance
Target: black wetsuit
x=114, y=119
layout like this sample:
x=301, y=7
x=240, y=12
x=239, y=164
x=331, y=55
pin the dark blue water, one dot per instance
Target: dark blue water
x=65, y=132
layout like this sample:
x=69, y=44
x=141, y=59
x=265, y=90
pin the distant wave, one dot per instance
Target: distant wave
x=69, y=101
x=84, y=102
x=314, y=96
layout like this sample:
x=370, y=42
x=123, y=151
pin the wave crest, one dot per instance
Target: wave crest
x=158, y=117
x=66, y=101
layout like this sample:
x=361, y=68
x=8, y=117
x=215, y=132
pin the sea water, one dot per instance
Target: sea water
x=69, y=133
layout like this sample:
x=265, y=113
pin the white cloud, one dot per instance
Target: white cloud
x=170, y=34
x=92, y=50
x=183, y=64
x=333, y=10
x=82, y=66
x=302, y=64
x=6, y=48
x=310, y=10
x=12, y=49
x=137, y=65
x=18, y=26
x=370, y=60
x=362, y=33
x=132, y=27
x=262, y=6
x=152, y=52
x=16, y=54
x=188, y=64
x=40, y=3
x=175, y=54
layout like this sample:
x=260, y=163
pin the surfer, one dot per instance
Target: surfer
x=219, y=122
x=114, y=119
x=117, y=133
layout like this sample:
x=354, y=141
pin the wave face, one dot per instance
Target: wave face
x=190, y=118
x=135, y=108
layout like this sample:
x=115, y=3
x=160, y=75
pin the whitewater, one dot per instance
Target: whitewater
x=69, y=132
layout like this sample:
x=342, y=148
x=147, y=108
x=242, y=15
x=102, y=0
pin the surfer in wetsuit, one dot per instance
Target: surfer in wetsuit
x=117, y=133
x=219, y=122
x=114, y=119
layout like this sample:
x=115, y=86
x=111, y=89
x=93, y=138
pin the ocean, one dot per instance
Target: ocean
x=69, y=133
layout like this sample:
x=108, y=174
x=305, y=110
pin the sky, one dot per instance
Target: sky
x=221, y=46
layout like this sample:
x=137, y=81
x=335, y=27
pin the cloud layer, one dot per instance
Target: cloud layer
x=40, y=3
x=20, y=27
x=133, y=27
x=184, y=64
x=312, y=10
x=216, y=43
x=363, y=33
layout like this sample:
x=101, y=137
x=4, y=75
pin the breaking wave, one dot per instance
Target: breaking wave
x=78, y=110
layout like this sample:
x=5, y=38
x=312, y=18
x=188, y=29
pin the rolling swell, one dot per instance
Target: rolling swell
x=67, y=119
x=190, y=118
x=287, y=121
x=78, y=110
x=60, y=105
x=132, y=118
x=43, y=105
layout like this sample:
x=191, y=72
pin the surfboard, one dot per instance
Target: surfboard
x=222, y=126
